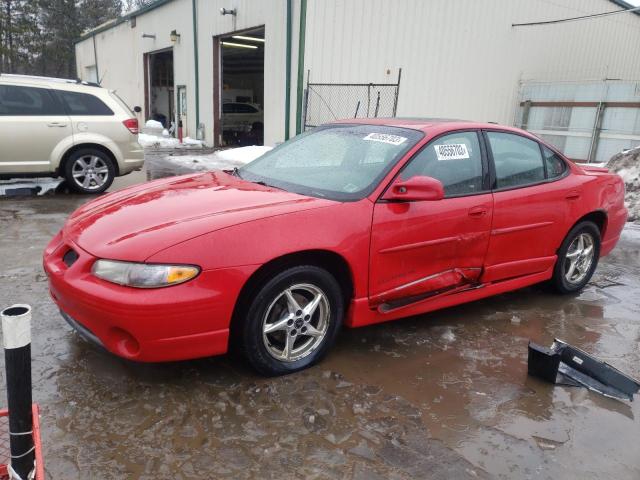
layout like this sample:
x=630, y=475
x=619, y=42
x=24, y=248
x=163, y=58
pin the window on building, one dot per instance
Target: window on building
x=84, y=104
x=517, y=160
x=27, y=101
x=91, y=73
x=455, y=160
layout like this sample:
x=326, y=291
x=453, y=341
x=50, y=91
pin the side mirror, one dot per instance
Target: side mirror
x=418, y=188
x=137, y=109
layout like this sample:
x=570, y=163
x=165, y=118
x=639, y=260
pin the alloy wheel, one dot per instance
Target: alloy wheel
x=90, y=172
x=579, y=258
x=296, y=322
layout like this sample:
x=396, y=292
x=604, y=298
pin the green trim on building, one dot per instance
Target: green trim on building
x=287, y=94
x=301, y=41
x=195, y=60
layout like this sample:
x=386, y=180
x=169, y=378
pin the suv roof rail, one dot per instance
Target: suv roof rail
x=50, y=79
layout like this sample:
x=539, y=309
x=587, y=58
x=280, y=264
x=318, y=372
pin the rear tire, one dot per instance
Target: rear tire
x=292, y=321
x=89, y=170
x=577, y=258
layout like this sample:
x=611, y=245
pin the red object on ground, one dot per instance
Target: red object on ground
x=497, y=239
x=5, y=453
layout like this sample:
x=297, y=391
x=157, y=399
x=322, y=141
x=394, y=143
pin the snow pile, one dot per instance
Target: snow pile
x=154, y=124
x=168, y=165
x=147, y=140
x=220, y=160
x=627, y=165
x=243, y=155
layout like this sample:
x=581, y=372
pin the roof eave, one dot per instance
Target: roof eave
x=120, y=20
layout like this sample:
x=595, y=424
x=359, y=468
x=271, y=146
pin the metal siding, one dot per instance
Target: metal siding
x=459, y=58
x=464, y=59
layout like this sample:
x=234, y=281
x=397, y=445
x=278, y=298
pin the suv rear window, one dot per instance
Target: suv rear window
x=28, y=101
x=83, y=104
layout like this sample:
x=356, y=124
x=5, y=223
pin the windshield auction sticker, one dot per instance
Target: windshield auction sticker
x=454, y=151
x=386, y=138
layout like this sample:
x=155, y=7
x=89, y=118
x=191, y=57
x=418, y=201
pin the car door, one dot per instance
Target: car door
x=422, y=248
x=532, y=197
x=32, y=124
x=89, y=114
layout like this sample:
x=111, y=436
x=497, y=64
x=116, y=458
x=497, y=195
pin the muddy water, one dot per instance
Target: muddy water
x=444, y=395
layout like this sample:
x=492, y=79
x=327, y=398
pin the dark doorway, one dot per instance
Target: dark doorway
x=159, y=88
x=240, y=88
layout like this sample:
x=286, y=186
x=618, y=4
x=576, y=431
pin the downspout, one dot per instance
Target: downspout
x=303, y=27
x=95, y=60
x=195, y=59
x=287, y=95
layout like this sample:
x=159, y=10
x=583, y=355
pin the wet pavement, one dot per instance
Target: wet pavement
x=444, y=395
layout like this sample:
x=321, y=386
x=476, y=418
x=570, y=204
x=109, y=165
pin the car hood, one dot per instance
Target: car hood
x=134, y=223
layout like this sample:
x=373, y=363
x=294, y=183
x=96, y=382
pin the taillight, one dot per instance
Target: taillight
x=132, y=125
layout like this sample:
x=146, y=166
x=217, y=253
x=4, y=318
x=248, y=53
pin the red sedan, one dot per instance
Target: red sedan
x=352, y=223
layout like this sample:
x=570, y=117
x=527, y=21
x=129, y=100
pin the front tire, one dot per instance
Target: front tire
x=577, y=258
x=292, y=321
x=89, y=170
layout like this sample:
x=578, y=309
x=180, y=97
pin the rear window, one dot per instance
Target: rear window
x=555, y=165
x=122, y=103
x=84, y=104
x=28, y=101
x=517, y=160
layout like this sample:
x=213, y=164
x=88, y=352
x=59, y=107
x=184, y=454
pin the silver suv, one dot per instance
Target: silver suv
x=76, y=130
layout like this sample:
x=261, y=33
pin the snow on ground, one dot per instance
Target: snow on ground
x=147, y=140
x=627, y=165
x=39, y=186
x=631, y=232
x=220, y=160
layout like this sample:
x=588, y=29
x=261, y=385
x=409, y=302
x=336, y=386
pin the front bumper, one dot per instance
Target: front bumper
x=185, y=321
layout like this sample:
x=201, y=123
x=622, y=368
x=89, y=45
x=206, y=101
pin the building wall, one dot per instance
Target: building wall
x=459, y=58
x=463, y=59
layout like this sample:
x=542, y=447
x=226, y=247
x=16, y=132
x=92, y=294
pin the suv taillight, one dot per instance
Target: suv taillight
x=132, y=125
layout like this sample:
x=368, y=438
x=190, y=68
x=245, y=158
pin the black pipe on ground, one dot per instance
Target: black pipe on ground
x=16, y=337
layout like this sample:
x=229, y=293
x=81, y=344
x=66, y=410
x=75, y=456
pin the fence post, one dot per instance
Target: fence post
x=395, y=100
x=16, y=336
x=595, y=134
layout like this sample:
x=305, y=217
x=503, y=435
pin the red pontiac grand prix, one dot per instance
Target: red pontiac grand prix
x=351, y=223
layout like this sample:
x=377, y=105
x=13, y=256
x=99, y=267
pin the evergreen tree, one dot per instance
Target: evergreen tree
x=38, y=37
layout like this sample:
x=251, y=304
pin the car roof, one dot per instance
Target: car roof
x=428, y=124
x=49, y=82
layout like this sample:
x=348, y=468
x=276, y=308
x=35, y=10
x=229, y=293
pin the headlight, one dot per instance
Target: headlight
x=143, y=275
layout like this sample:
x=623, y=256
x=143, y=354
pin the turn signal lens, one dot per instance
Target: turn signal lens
x=181, y=274
x=143, y=275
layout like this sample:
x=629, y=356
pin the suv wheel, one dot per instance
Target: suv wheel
x=89, y=171
x=577, y=258
x=292, y=321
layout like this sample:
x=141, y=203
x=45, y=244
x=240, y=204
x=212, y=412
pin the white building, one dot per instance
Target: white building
x=451, y=58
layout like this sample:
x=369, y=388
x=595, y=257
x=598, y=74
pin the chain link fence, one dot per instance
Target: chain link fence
x=326, y=102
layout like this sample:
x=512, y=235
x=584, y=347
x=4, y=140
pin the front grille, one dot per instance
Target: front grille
x=70, y=257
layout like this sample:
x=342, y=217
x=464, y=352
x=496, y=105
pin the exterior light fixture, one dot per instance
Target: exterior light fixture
x=238, y=45
x=174, y=36
x=249, y=39
x=228, y=11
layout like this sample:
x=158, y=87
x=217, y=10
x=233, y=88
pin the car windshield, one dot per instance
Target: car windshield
x=339, y=162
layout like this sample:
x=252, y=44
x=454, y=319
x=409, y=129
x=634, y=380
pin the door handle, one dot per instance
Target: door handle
x=56, y=124
x=573, y=195
x=477, y=212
